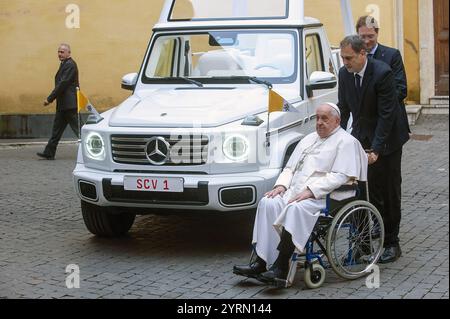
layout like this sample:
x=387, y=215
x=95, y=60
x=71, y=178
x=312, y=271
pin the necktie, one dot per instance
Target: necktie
x=370, y=55
x=358, y=85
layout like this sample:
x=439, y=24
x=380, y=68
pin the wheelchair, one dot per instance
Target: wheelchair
x=348, y=237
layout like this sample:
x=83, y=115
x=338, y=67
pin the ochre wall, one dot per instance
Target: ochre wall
x=110, y=42
x=329, y=13
x=112, y=39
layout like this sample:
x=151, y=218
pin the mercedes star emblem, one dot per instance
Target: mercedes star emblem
x=157, y=151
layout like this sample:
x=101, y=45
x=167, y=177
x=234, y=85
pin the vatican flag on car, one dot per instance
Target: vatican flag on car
x=278, y=104
x=84, y=103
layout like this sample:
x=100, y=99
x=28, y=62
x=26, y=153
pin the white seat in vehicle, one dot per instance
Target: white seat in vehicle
x=216, y=63
x=275, y=54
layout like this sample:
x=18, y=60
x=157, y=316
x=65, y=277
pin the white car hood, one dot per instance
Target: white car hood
x=189, y=107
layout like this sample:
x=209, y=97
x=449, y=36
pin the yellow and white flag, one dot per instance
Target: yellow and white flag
x=84, y=103
x=277, y=103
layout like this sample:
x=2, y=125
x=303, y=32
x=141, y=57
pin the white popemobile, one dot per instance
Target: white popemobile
x=195, y=134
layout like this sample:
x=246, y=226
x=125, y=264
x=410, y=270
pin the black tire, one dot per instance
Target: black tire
x=105, y=221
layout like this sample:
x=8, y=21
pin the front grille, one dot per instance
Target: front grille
x=183, y=151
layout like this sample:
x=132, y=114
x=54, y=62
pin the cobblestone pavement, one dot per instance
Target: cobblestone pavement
x=191, y=255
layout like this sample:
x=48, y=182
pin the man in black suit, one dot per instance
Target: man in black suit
x=65, y=94
x=367, y=90
x=368, y=30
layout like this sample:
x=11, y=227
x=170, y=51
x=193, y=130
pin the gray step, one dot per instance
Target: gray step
x=438, y=105
x=413, y=112
x=439, y=100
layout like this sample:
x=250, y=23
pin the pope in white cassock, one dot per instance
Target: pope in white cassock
x=322, y=162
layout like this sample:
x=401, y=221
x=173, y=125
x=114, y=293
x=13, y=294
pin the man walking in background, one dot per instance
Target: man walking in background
x=65, y=94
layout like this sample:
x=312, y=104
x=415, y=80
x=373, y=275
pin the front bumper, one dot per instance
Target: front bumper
x=201, y=192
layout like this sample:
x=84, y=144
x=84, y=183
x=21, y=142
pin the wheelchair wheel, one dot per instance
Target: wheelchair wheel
x=314, y=276
x=355, y=240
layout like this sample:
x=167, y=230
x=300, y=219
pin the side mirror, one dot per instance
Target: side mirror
x=129, y=81
x=320, y=81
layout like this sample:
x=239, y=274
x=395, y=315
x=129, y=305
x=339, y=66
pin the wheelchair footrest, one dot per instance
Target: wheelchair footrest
x=281, y=283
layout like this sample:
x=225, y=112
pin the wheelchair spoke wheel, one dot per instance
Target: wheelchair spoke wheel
x=355, y=240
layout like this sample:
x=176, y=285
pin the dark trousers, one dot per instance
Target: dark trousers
x=385, y=181
x=286, y=247
x=62, y=119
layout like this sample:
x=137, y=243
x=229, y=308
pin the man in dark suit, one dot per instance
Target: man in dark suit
x=65, y=94
x=367, y=90
x=367, y=28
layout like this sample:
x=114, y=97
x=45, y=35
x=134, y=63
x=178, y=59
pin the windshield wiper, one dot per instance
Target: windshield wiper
x=248, y=78
x=191, y=81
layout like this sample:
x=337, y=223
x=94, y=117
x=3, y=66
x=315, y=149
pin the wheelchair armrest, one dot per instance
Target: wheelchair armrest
x=332, y=204
x=347, y=187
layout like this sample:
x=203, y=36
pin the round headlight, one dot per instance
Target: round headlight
x=236, y=148
x=95, y=146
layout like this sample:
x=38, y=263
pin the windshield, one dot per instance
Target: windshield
x=268, y=55
x=194, y=10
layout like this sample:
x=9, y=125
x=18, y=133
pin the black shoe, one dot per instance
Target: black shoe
x=273, y=275
x=390, y=254
x=45, y=156
x=253, y=270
